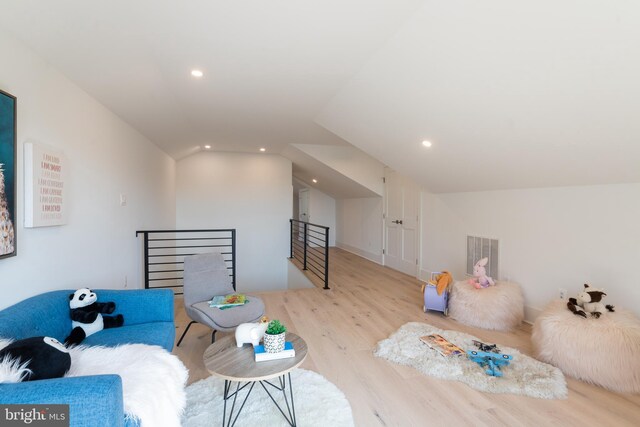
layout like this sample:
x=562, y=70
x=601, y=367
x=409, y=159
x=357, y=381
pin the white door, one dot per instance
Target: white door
x=303, y=205
x=303, y=212
x=401, y=223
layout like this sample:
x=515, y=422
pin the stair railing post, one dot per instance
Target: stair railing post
x=146, y=260
x=233, y=263
x=326, y=260
x=290, y=238
x=305, y=246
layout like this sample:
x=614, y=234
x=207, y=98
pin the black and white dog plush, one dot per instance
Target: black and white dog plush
x=589, y=301
x=37, y=358
x=87, y=315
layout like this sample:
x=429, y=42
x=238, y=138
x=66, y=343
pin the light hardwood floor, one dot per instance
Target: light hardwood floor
x=366, y=304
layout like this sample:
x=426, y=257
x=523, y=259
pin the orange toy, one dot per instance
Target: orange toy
x=441, y=281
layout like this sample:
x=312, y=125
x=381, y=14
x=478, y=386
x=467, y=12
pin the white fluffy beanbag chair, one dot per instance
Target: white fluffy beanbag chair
x=604, y=351
x=499, y=307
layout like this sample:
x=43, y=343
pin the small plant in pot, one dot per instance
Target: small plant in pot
x=274, y=337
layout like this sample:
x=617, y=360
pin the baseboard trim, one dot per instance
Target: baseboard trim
x=360, y=252
x=424, y=275
x=531, y=313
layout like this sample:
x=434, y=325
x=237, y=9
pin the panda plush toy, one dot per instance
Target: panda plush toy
x=37, y=358
x=87, y=315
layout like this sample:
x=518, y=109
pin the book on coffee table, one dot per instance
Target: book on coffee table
x=232, y=300
x=441, y=345
x=261, y=355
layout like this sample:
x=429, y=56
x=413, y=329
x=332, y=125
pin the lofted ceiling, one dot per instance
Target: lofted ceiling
x=512, y=94
x=269, y=66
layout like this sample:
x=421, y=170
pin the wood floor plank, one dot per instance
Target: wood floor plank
x=367, y=302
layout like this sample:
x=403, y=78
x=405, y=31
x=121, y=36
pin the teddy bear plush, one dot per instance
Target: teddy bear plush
x=87, y=315
x=589, y=301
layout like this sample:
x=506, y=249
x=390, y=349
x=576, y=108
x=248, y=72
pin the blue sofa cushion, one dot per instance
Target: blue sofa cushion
x=93, y=401
x=155, y=333
x=41, y=315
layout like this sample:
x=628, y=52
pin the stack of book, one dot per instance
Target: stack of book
x=261, y=355
x=226, y=301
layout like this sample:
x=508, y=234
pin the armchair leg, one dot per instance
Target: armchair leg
x=213, y=336
x=185, y=332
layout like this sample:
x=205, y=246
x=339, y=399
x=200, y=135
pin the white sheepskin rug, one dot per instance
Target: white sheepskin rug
x=499, y=307
x=524, y=375
x=12, y=371
x=604, y=351
x=153, y=380
x=318, y=402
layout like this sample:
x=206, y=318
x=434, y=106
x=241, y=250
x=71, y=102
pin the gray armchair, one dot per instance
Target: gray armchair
x=205, y=276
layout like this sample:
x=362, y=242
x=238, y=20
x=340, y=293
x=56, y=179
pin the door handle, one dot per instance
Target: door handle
x=397, y=221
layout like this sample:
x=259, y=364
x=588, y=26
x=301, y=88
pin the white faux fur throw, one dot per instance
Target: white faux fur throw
x=153, y=380
x=604, y=351
x=11, y=371
x=499, y=307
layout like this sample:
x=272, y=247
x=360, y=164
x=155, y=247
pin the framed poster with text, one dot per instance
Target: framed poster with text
x=44, y=186
x=8, y=239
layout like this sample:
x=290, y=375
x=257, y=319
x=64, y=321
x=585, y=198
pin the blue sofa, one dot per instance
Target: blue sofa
x=93, y=400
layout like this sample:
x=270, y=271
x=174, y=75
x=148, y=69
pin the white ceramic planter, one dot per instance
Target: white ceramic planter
x=274, y=343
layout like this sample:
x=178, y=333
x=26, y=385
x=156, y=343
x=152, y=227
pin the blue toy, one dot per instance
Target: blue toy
x=495, y=361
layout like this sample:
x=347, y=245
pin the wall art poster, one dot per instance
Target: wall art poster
x=45, y=191
x=8, y=238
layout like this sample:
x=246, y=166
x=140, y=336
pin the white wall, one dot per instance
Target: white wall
x=296, y=279
x=249, y=192
x=549, y=238
x=359, y=226
x=105, y=157
x=296, y=206
x=322, y=211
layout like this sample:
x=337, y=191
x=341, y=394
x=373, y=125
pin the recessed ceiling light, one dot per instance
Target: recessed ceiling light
x=197, y=73
x=427, y=143
x=263, y=149
x=315, y=181
x=208, y=147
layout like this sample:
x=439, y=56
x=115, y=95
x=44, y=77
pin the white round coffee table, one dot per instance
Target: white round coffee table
x=225, y=360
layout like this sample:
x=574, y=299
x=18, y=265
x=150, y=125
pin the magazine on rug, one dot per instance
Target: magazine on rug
x=441, y=345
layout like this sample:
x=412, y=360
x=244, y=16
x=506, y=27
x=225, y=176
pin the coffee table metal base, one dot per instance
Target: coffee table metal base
x=290, y=416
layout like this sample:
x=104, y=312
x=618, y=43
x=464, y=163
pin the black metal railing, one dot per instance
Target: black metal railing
x=164, y=252
x=309, y=245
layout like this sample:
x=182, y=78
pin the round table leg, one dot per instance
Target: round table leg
x=290, y=416
x=227, y=387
